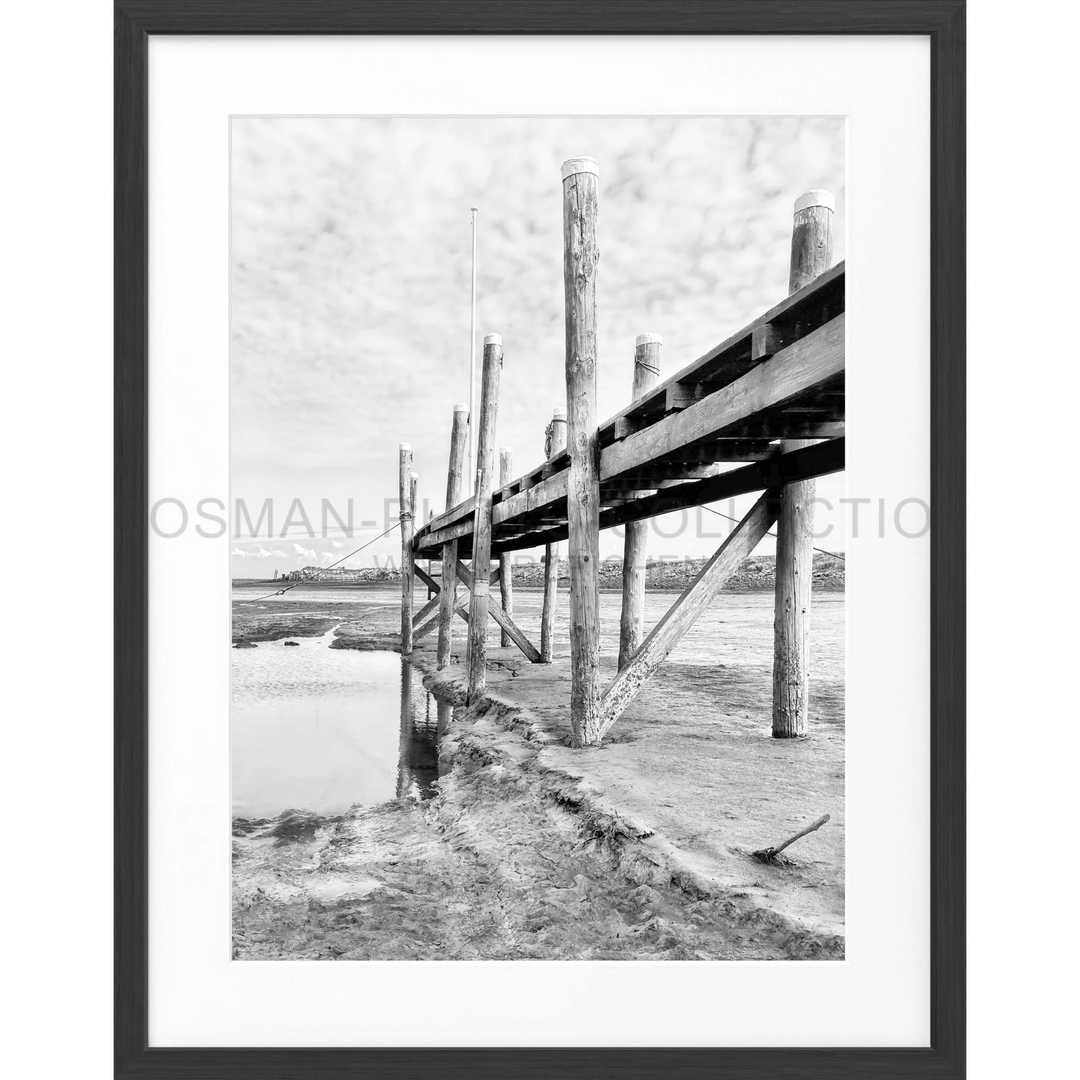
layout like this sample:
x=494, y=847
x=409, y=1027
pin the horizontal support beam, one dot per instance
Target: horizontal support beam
x=463, y=511
x=803, y=464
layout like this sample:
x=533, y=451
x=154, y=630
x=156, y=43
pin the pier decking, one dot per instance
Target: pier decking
x=781, y=377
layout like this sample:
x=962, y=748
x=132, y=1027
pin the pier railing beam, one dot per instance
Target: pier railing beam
x=506, y=579
x=581, y=181
x=459, y=438
x=554, y=446
x=481, y=563
x=632, y=618
x=405, y=495
x=811, y=253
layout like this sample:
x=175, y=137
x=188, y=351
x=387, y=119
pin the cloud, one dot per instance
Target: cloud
x=262, y=553
x=304, y=555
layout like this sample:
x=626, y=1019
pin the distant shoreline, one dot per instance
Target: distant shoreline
x=756, y=573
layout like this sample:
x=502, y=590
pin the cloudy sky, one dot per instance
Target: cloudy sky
x=349, y=298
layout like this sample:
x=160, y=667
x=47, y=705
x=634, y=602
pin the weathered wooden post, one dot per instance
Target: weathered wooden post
x=430, y=562
x=581, y=182
x=811, y=252
x=506, y=579
x=632, y=619
x=556, y=444
x=405, y=491
x=481, y=563
x=459, y=438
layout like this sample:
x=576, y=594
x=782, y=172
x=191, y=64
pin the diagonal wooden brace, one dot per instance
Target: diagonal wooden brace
x=427, y=579
x=431, y=606
x=669, y=631
x=436, y=588
x=500, y=616
x=462, y=611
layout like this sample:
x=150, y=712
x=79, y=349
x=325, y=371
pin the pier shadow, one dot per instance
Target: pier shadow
x=424, y=719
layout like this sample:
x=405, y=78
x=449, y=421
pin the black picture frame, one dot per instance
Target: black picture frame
x=944, y=22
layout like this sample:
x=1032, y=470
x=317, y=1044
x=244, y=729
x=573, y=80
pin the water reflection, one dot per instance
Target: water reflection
x=424, y=719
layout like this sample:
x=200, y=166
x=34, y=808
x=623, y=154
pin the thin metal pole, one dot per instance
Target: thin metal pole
x=472, y=360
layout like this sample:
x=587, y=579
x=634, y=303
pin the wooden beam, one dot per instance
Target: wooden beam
x=670, y=630
x=581, y=179
x=461, y=611
x=635, y=542
x=683, y=395
x=427, y=579
x=765, y=341
x=459, y=438
x=797, y=368
x=481, y=545
x=662, y=476
x=406, y=519
x=424, y=613
x=461, y=512
x=501, y=618
x=815, y=460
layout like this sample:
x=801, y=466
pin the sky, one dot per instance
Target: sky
x=350, y=281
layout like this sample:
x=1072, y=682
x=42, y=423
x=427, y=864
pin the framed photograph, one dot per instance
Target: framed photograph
x=518, y=672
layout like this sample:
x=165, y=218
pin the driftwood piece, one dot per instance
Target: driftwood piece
x=769, y=854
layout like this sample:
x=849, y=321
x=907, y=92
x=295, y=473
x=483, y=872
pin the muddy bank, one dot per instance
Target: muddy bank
x=510, y=861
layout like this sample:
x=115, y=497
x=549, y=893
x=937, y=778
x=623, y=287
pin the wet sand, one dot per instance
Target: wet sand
x=637, y=850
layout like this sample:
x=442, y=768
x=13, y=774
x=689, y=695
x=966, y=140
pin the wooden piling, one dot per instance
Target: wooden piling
x=405, y=494
x=506, y=579
x=481, y=564
x=811, y=253
x=430, y=562
x=459, y=438
x=555, y=445
x=581, y=179
x=632, y=619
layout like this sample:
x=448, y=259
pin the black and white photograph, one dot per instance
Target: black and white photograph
x=538, y=524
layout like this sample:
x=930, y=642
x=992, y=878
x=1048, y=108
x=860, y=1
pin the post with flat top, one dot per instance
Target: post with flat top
x=632, y=619
x=581, y=182
x=459, y=437
x=506, y=578
x=811, y=253
x=405, y=492
x=481, y=563
x=555, y=445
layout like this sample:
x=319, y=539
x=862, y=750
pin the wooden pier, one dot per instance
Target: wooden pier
x=763, y=412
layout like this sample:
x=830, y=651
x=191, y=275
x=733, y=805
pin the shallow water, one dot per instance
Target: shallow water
x=319, y=729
